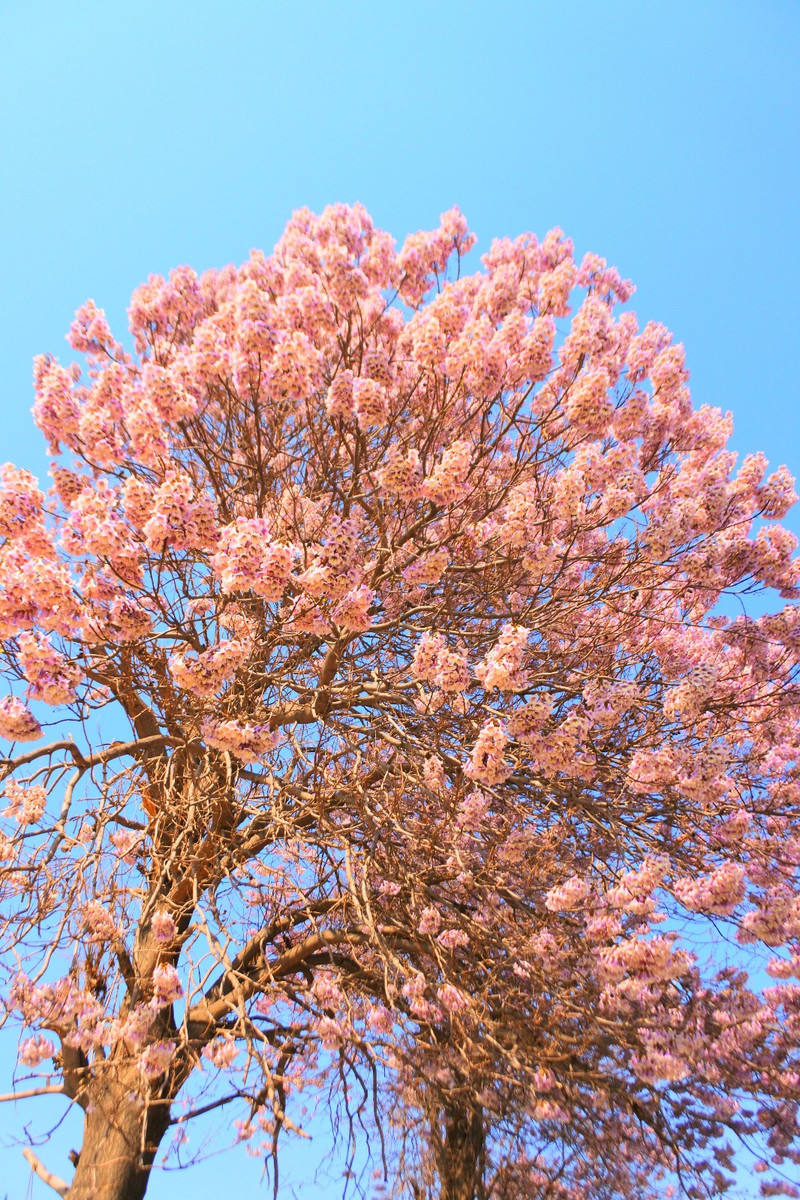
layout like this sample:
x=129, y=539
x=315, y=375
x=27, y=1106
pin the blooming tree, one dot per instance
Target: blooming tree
x=379, y=739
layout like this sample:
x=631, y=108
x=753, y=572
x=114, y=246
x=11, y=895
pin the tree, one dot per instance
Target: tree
x=391, y=738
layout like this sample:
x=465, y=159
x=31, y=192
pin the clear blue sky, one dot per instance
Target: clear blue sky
x=138, y=135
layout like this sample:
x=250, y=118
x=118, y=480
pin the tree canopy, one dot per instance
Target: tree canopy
x=404, y=741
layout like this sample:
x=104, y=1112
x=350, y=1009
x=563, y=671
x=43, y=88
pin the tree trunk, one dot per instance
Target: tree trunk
x=121, y=1138
x=460, y=1155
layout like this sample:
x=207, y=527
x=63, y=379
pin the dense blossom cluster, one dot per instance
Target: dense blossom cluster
x=413, y=731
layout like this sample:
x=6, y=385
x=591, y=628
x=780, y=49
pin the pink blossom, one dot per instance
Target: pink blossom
x=248, y=559
x=51, y=676
x=472, y=811
x=587, y=404
x=26, y=804
x=380, y=1019
x=487, y=763
x=155, y=1059
x=569, y=895
x=428, y=569
x=339, y=401
x=352, y=611
x=504, y=666
x=162, y=925
x=205, y=673
x=167, y=987
x=720, y=892
x=126, y=842
x=453, y=939
x=524, y=722
x=370, y=403
x=452, y=998
x=401, y=475
x=434, y=775
x=181, y=517
x=244, y=741
x=99, y=923
x=448, y=482
x=430, y=920
x=221, y=1052
x=34, y=1050
x=17, y=723
x=435, y=663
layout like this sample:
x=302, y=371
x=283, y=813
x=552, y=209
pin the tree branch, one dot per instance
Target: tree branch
x=53, y=1181
x=51, y=1090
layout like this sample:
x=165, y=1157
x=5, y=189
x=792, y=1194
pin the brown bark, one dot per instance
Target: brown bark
x=459, y=1154
x=122, y=1134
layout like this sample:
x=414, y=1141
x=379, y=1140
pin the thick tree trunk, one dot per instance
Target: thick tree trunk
x=460, y=1155
x=121, y=1138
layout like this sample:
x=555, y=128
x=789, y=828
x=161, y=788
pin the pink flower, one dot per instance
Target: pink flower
x=17, y=723
x=352, y=611
x=401, y=475
x=34, y=1050
x=99, y=923
x=50, y=676
x=26, y=804
x=453, y=939
x=472, y=811
x=163, y=926
x=568, y=895
x=447, y=483
x=207, y=672
x=380, y=1019
x=339, y=401
x=487, y=763
x=167, y=987
x=428, y=569
x=720, y=892
x=221, y=1052
x=155, y=1059
x=246, y=742
x=180, y=518
x=430, y=921
x=370, y=402
x=435, y=663
x=452, y=998
x=504, y=667
x=249, y=559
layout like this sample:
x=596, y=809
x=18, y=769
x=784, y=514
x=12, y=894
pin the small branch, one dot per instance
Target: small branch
x=53, y=1181
x=22, y=760
x=52, y=1090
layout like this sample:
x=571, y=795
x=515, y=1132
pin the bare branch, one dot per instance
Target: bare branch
x=53, y=1181
x=52, y=1090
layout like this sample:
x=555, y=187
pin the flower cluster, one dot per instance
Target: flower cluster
x=162, y=925
x=205, y=673
x=17, y=723
x=352, y=611
x=487, y=762
x=504, y=666
x=448, y=482
x=434, y=663
x=167, y=987
x=182, y=518
x=51, y=676
x=569, y=895
x=244, y=741
x=720, y=892
x=155, y=1059
x=248, y=559
x=25, y=804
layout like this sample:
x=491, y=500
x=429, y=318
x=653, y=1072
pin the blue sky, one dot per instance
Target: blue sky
x=664, y=136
